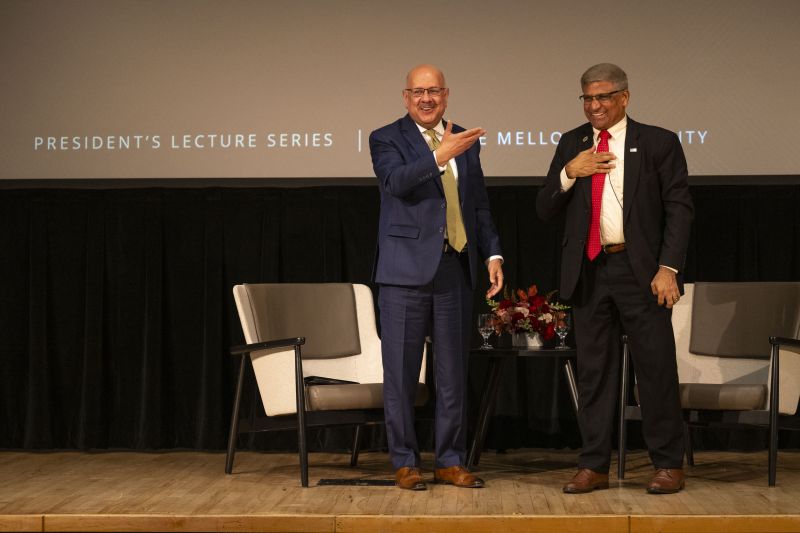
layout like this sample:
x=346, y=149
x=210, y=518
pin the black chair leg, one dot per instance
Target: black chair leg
x=774, y=398
x=773, y=454
x=303, y=453
x=302, y=445
x=623, y=404
x=356, y=446
x=621, y=453
x=687, y=441
x=233, y=435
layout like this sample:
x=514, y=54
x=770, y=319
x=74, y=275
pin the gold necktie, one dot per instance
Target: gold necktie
x=456, y=235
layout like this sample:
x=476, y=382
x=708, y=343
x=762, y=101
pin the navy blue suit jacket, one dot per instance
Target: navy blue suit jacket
x=413, y=208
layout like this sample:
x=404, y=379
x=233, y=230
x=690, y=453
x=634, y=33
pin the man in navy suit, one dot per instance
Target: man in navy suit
x=625, y=191
x=435, y=230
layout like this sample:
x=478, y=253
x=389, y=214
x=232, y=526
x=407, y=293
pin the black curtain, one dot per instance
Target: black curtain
x=116, y=309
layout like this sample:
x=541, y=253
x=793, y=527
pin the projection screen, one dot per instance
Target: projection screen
x=292, y=89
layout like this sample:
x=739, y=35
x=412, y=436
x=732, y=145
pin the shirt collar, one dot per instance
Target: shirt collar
x=439, y=129
x=614, y=130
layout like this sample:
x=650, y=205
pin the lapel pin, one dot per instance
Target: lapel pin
x=633, y=149
x=585, y=139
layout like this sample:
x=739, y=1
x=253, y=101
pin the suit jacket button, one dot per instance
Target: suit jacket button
x=444, y=205
x=441, y=229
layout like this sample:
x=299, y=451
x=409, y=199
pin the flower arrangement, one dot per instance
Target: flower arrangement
x=526, y=312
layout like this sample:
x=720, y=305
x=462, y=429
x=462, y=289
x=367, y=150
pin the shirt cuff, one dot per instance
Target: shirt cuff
x=670, y=268
x=566, y=183
x=492, y=258
x=441, y=168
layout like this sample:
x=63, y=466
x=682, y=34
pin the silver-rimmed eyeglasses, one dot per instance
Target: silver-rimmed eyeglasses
x=419, y=92
x=602, y=98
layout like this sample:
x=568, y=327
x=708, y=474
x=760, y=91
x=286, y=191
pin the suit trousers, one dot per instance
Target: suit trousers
x=441, y=309
x=610, y=301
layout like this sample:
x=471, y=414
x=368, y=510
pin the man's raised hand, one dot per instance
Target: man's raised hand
x=455, y=144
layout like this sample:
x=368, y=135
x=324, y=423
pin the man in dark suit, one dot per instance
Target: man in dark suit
x=628, y=215
x=435, y=226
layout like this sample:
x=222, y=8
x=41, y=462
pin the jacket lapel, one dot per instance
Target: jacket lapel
x=410, y=131
x=461, y=165
x=585, y=140
x=633, y=163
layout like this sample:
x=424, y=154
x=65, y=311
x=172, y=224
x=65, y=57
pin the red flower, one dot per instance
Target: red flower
x=532, y=291
x=505, y=304
x=538, y=318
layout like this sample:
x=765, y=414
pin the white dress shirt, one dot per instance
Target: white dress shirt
x=611, y=231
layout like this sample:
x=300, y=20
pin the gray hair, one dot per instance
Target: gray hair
x=606, y=72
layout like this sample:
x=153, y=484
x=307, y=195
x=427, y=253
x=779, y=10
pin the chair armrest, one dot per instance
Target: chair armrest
x=266, y=345
x=784, y=341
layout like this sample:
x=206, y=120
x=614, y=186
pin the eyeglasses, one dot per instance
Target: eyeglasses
x=419, y=92
x=602, y=98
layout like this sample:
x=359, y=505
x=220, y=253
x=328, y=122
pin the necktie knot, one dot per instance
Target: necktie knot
x=602, y=145
x=432, y=136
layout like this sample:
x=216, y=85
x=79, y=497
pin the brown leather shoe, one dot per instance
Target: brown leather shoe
x=409, y=478
x=667, y=481
x=458, y=476
x=586, y=480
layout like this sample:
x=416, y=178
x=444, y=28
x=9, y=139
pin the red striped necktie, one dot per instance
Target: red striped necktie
x=598, y=180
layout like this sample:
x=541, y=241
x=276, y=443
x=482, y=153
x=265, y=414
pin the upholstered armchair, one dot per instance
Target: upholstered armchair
x=738, y=358
x=316, y=357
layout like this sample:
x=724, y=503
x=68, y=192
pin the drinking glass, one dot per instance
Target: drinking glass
x=563, y=320
x=486, y=328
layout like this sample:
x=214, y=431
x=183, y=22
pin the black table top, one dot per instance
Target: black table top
x=523, y=351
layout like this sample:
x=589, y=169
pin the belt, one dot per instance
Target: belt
x=447, y=249
x=613, y=248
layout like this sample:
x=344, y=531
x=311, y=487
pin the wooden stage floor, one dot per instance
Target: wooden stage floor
x=188, y=491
